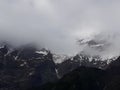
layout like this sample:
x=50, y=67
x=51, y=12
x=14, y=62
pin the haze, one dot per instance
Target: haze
x=58, y=24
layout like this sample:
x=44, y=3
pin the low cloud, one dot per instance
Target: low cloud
x=58, y=24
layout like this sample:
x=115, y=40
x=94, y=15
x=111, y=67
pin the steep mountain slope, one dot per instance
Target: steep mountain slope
x=113, y=75
x=87, y=78
x=28, y=67
x=82, y=78
x=81, y=60
x=25, y=66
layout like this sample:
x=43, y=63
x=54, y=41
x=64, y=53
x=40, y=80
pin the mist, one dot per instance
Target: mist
x=58, y=24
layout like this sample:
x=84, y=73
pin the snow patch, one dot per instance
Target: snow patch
x=59, y=58
x=42, y=52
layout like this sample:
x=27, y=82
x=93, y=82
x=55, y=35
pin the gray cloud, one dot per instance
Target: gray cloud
x=57, y=24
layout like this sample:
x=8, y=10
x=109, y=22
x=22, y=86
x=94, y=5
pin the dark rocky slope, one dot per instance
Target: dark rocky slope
x=25, y=67
x=87, y=78
x=30, y=68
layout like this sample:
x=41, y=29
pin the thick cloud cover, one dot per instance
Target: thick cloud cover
x=57, y=24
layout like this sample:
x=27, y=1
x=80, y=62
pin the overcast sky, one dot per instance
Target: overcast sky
x=58, y=24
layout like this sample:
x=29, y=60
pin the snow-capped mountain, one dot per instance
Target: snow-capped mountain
x=35, y=67
x=82, y=59
x=26, y=65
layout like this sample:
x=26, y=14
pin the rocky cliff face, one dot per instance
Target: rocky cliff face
x=29, y=67
x=74, y=62
x=25, y=66
x=89, y=78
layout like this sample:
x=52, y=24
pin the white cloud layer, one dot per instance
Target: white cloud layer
x=59, y=23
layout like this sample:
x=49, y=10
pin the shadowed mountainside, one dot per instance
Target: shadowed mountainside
x=30, y=68
x=87, y=78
